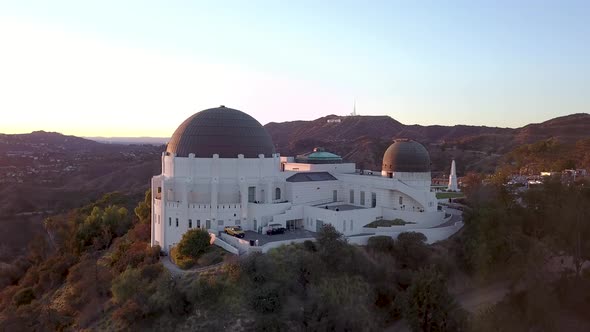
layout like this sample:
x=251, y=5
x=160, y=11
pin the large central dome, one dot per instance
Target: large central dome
x=405, y=155
x=224, y=131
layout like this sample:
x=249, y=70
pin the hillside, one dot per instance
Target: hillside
x=43, y=173
x=363, y=139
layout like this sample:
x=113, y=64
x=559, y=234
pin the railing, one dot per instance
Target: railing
x=322, y=202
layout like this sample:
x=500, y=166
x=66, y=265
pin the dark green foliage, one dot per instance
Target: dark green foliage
x=109, y=199
x=127, y=285
x=101, y=226
x=143, y=211
x=183, y=262
x=267, y=298
x=23, y=296
x=411, y=251
x=270, y=324
x=309, y=245
x=194, y=243
x=427, y=305
x=381, y=243
x=388, y=223
x=341, y=304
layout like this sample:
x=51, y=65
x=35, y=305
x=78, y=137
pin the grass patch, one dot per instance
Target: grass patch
x=448, y=195
x=388, y=223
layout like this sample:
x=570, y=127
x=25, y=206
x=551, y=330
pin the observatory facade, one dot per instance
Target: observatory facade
x=221, y=169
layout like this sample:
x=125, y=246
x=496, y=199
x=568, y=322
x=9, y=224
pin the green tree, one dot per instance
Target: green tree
x=127, y=285
x=410, y=250
x=194, y=243
x=143, y=211
x=381, y=243
x=342, y=303
x=427, y=306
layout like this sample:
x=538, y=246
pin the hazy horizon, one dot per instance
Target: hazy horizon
x=135, y=69
x=168, y=136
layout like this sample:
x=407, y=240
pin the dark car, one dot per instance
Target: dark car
x=275, y=229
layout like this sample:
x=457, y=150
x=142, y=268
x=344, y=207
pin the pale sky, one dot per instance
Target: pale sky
x=139, y=68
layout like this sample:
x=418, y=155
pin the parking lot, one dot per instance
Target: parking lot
x=288, y=235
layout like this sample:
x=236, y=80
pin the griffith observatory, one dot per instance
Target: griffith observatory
x=220, y=168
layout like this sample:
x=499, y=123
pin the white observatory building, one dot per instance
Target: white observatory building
x=221, y=169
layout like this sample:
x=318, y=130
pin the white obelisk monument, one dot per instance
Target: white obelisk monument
x=453, y=178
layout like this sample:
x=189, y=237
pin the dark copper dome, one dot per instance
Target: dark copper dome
x=405, y=155
x=224, y=131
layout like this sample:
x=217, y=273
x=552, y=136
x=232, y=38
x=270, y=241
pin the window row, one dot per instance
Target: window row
x=207, y=225
x=362, y=198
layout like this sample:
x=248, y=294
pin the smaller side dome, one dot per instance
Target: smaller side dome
x=406, y=155
x=319, y=156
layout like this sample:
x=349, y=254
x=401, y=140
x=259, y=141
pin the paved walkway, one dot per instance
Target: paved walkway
x=178, y=272
x=482, y=297
x=456, y=216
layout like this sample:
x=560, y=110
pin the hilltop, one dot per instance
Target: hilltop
x=363, y=139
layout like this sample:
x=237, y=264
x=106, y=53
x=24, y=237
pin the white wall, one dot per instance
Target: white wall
x=314, y=192
x=223, y=244
x=432, y=234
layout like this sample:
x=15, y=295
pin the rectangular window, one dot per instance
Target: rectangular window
x=169, y=221
x=176, y=222
x=198, y=223
x=373, y=199
x=190, y=223
x=251, y=194
x=362, y=198
x=351, y=225
x=351, y=196
x=344, y=225
x=401, y=200
x=335, y=195
x=219, y=222
x=238, y=222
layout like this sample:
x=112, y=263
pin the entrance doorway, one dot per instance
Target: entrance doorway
x=294, y=224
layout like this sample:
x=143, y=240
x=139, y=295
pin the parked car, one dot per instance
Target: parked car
x=275, y=229
x=234, y=231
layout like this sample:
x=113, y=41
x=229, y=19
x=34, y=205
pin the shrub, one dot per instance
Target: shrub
x=128, y=313
x=309, y=245
x=210, y=258
x=180, y=260
x=194, y=243
x=23, y=297
x=381, y=243
x=127, y=285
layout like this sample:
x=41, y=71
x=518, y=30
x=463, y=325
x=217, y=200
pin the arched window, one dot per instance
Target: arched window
x=278, y=193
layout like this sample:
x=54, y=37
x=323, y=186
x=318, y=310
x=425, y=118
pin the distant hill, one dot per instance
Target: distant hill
x=131, y=140
x=44, y=141
x=363, y=139
x=43, y=173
